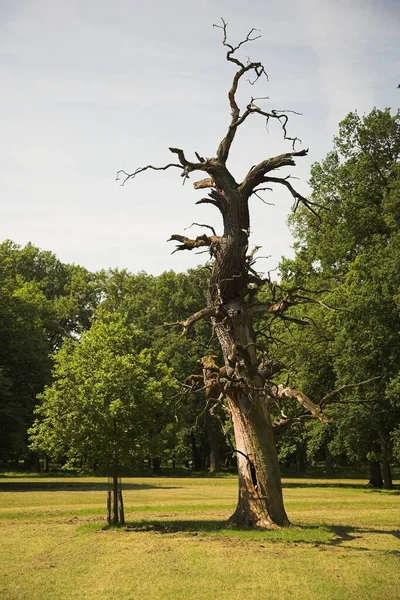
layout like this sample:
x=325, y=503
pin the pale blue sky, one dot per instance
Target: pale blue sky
x=91, y=86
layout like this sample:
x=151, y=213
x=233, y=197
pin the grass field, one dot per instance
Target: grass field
x=344, y=544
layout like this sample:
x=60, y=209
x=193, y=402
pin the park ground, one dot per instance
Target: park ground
x=344, y=544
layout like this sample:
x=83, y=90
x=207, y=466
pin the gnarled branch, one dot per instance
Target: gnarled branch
x=204, y=313
x=189, y=244
x=314, y=409
x=256, y=175
x=237, y=118
x=204, y=183
x=141, y=169
x=298, y=197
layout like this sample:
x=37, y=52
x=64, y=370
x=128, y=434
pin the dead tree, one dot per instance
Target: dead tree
x=244, y=387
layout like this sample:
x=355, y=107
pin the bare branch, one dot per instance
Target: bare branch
x=282, y=423
x=306, y=300
x=255, y=67
x=256, y=175
x=208, y=201
x=202, y=225
x=314, y=409
x=232, y=49
x=141, y=169
x=204, y=313
x=328, y=398
x=189, y=244
x=298, y=197
x=294, y=320
x=277, y=308
x=204, y=183
x=265, y=189
x=188, y=166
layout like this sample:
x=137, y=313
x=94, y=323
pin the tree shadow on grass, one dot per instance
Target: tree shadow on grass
x=347, y=534
x=193, y=527
x=342, y=534
x=332, y=535
x=74, y=486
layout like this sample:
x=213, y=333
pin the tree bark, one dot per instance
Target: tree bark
x=260, y=498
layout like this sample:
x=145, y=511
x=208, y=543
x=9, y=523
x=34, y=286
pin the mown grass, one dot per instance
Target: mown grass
x=345, y=542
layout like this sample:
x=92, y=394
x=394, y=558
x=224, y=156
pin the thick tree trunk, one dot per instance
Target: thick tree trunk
x=260, y=500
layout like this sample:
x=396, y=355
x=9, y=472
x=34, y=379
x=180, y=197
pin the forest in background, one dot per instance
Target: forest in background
x=91, y=377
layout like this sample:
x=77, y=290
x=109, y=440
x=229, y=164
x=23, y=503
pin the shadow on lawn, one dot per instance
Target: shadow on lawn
x=190, y=526
x=74, y=486
x=298, y=534
x=346, y=534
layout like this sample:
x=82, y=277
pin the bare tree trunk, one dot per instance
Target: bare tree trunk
x=260, y=498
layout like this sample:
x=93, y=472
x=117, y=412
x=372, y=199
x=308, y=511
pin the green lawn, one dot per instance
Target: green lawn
x=344, y=544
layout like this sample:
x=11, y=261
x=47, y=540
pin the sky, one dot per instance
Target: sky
x=88, y=87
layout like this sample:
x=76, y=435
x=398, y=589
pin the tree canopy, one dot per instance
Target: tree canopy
x=351, y=253
x=108, y=402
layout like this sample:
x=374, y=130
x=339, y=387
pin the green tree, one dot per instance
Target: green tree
x=42, y=302
x=24, y=369
x=157, y=305
x=352, y=250
x=108, y=403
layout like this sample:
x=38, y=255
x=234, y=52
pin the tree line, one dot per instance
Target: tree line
x=95, y=373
